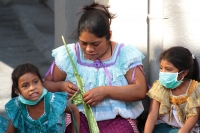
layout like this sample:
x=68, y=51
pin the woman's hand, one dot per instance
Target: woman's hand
x=69, y=87
x=95, y=95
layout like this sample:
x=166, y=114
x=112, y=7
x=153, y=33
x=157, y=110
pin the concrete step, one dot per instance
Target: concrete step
x=26, y=35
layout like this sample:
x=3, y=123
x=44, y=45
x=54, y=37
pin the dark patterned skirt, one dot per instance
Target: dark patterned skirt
x=117, y=125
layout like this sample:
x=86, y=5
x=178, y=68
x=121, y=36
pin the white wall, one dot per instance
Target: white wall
x=130, y=25
x=172, y=23
x=155, y=36
x=183, y=25
x=6, y=83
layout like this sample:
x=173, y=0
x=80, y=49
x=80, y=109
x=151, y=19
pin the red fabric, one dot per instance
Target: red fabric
x=117, y=125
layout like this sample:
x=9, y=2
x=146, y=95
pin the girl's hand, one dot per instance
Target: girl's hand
x=152, y=116
x=95, y=95
x=190, y=123
x=68, y=87
x=182, y=131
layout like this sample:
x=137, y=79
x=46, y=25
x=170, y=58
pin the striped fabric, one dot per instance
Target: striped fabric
x=134, y=125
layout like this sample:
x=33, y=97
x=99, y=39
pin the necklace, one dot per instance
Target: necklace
x=110, y=47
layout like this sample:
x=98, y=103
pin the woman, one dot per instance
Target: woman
x=112, y=73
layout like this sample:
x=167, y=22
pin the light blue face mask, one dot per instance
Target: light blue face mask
x=31, y=102
x=169, y=80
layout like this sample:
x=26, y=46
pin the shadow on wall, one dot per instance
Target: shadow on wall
x=143, y=117
x=154, y=72
x=155, y=64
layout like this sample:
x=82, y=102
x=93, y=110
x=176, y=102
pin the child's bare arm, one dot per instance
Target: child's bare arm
x=152, y=117
x=76, y=114
x=11, y=128
x=190, y=122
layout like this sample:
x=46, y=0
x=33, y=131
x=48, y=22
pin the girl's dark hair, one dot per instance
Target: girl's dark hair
x=21, y=70
x=95, y=19
x=182, y=59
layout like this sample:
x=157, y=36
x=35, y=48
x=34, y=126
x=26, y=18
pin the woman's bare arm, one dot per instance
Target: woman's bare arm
x=129, y=93
x=134, y=91
x=58, y=83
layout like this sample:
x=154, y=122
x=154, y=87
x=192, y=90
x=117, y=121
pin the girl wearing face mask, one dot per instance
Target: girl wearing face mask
x=33, y=109
x=175, y=96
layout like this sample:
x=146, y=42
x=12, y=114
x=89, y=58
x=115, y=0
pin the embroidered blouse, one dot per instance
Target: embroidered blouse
x=184, y=105
x=103, y=73
x=52, y=121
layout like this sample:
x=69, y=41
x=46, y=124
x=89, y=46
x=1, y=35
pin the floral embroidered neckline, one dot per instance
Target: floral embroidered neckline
x=177, y=100
x=98, y=63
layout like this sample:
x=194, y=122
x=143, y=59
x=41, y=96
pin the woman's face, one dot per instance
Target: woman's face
x=30, y=86
x=92, y=46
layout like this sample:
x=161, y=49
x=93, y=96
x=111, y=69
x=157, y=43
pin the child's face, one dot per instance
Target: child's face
x=30, y=86
x=166, y=66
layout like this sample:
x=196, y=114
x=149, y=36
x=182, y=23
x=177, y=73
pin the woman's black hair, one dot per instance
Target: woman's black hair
x=182, y=59
x=95, y=19
x=21, y=70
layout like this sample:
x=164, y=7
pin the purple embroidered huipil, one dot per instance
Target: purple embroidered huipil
x=103, y=73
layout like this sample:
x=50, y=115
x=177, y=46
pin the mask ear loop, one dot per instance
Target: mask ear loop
x=180, y=72
x=17, y=92
x=182, y=76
